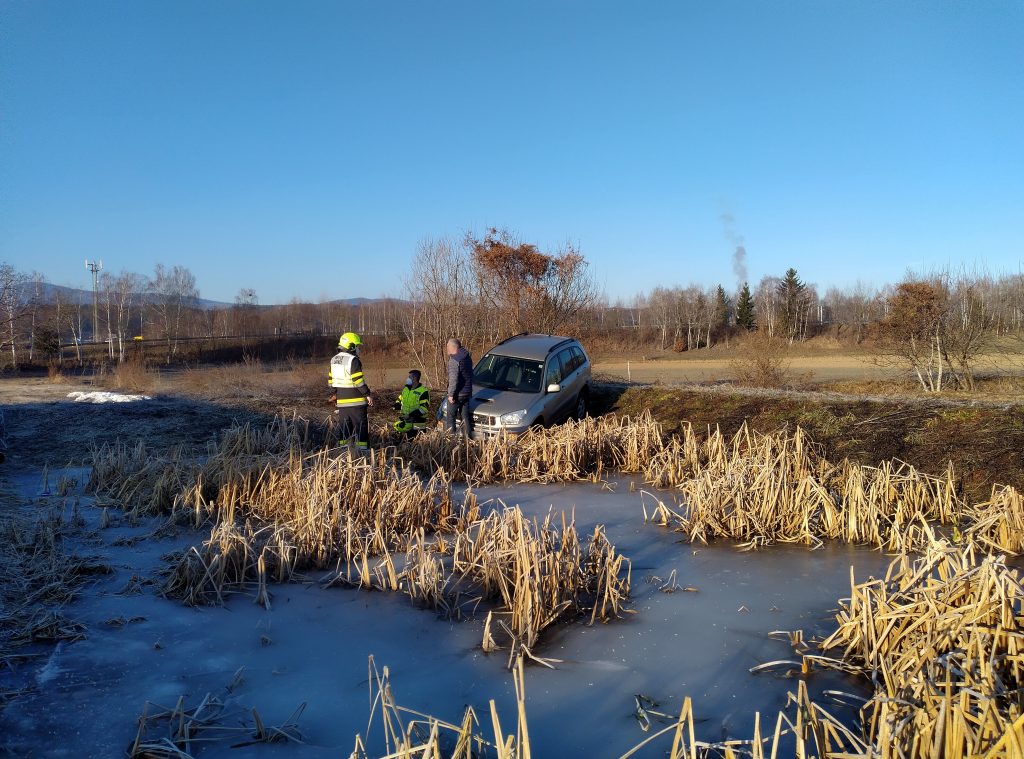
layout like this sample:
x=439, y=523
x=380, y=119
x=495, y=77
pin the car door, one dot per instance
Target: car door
x=553, y=402
x=564, y=399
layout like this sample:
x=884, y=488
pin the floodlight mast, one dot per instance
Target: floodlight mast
x=94, y=267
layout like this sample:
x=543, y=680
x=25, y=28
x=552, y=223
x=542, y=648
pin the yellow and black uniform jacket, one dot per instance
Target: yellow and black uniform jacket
x=414, y=401
x=346, y=378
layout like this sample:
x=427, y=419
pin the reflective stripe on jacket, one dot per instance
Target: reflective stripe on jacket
x=346, y=378
x=413, y=399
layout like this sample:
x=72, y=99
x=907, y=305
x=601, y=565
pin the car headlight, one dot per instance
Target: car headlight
x=513, y=418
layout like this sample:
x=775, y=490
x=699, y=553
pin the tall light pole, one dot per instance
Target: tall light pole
x=94, y=267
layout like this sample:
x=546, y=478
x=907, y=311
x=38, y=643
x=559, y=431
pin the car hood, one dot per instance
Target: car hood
x=498, y=402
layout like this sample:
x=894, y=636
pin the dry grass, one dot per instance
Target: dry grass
x=762, y=489
x=804, y=727
x=408, y=734
x=38, y=577
x=133, y=377
x=253, y=380
x=588, y=450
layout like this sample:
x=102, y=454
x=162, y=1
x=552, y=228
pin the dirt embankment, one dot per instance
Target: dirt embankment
x=985, y=442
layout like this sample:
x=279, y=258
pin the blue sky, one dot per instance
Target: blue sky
x=304, y=149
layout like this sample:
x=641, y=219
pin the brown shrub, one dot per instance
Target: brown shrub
x=761, y=361
x=133, y=377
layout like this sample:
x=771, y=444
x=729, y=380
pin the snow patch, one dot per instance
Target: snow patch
x=103, y=396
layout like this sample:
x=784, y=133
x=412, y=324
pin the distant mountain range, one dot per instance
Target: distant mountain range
x=74, y=295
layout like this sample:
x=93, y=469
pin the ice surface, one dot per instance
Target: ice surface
x=88, y=695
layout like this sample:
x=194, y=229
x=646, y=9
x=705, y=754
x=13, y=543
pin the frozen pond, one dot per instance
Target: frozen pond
x=313, y=646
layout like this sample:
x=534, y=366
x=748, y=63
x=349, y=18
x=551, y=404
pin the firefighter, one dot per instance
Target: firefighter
x=413, y=404
x=351, y=395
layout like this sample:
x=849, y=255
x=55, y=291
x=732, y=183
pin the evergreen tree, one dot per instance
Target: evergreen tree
x=794, y=303
x=721, y=317
x=745, y=310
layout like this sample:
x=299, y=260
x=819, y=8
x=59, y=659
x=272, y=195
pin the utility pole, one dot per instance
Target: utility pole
x=94, y=267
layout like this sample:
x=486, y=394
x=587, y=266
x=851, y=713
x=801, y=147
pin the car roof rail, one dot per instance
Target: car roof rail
x=513, y=337
x=560, y=343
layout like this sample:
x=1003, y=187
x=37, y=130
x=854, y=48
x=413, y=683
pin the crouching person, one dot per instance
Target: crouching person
x=413, y=406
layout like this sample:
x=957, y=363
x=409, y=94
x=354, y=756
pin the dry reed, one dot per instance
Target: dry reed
x=941, y=637
x=277, y=510
x=38, y=577
x=804, y=727
x=178, y=732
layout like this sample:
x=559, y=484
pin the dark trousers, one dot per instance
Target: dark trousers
x=460, y=409
x=353, y=424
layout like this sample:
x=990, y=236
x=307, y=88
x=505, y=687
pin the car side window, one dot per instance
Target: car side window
x=572, y=361
x=579, y=356
x=555, y=373
x=565, y=359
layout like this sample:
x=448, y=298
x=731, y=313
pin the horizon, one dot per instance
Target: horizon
x=306, y=154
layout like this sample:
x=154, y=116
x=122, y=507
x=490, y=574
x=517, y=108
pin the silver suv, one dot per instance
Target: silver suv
x=529, y=380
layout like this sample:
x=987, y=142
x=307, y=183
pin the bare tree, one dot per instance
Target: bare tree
x=120, y=294
x=15, y=306
x=36, y=298
x=439, y=290
x=174, y=294
x=968, y=327
x=766, y=298
x=245, y=312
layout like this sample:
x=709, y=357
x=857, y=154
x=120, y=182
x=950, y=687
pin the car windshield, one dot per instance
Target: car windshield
x=520, y=375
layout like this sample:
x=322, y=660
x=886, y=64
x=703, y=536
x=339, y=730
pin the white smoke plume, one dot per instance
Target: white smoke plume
x=739, y=256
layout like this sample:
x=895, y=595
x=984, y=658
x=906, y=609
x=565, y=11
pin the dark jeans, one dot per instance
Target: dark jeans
x=460, y=409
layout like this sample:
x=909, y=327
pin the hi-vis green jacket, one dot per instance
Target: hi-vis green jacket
x=346, y=378
x=413, y=400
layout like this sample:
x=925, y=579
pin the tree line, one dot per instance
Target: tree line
x=485, y=288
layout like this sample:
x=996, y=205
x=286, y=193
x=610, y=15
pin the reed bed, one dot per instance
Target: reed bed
x=765, y=494
x=38, y=577
x=805, y=729
x=276, y=511
x=998, y=523
x=314, y=511
x=144, y=483
x=751, y=487
x=585, y=450
x=941, y=637
x=537, y=573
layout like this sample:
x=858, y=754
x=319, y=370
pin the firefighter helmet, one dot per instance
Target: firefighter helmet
x=349, y=340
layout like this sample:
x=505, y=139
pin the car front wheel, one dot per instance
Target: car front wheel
x=581, y=406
